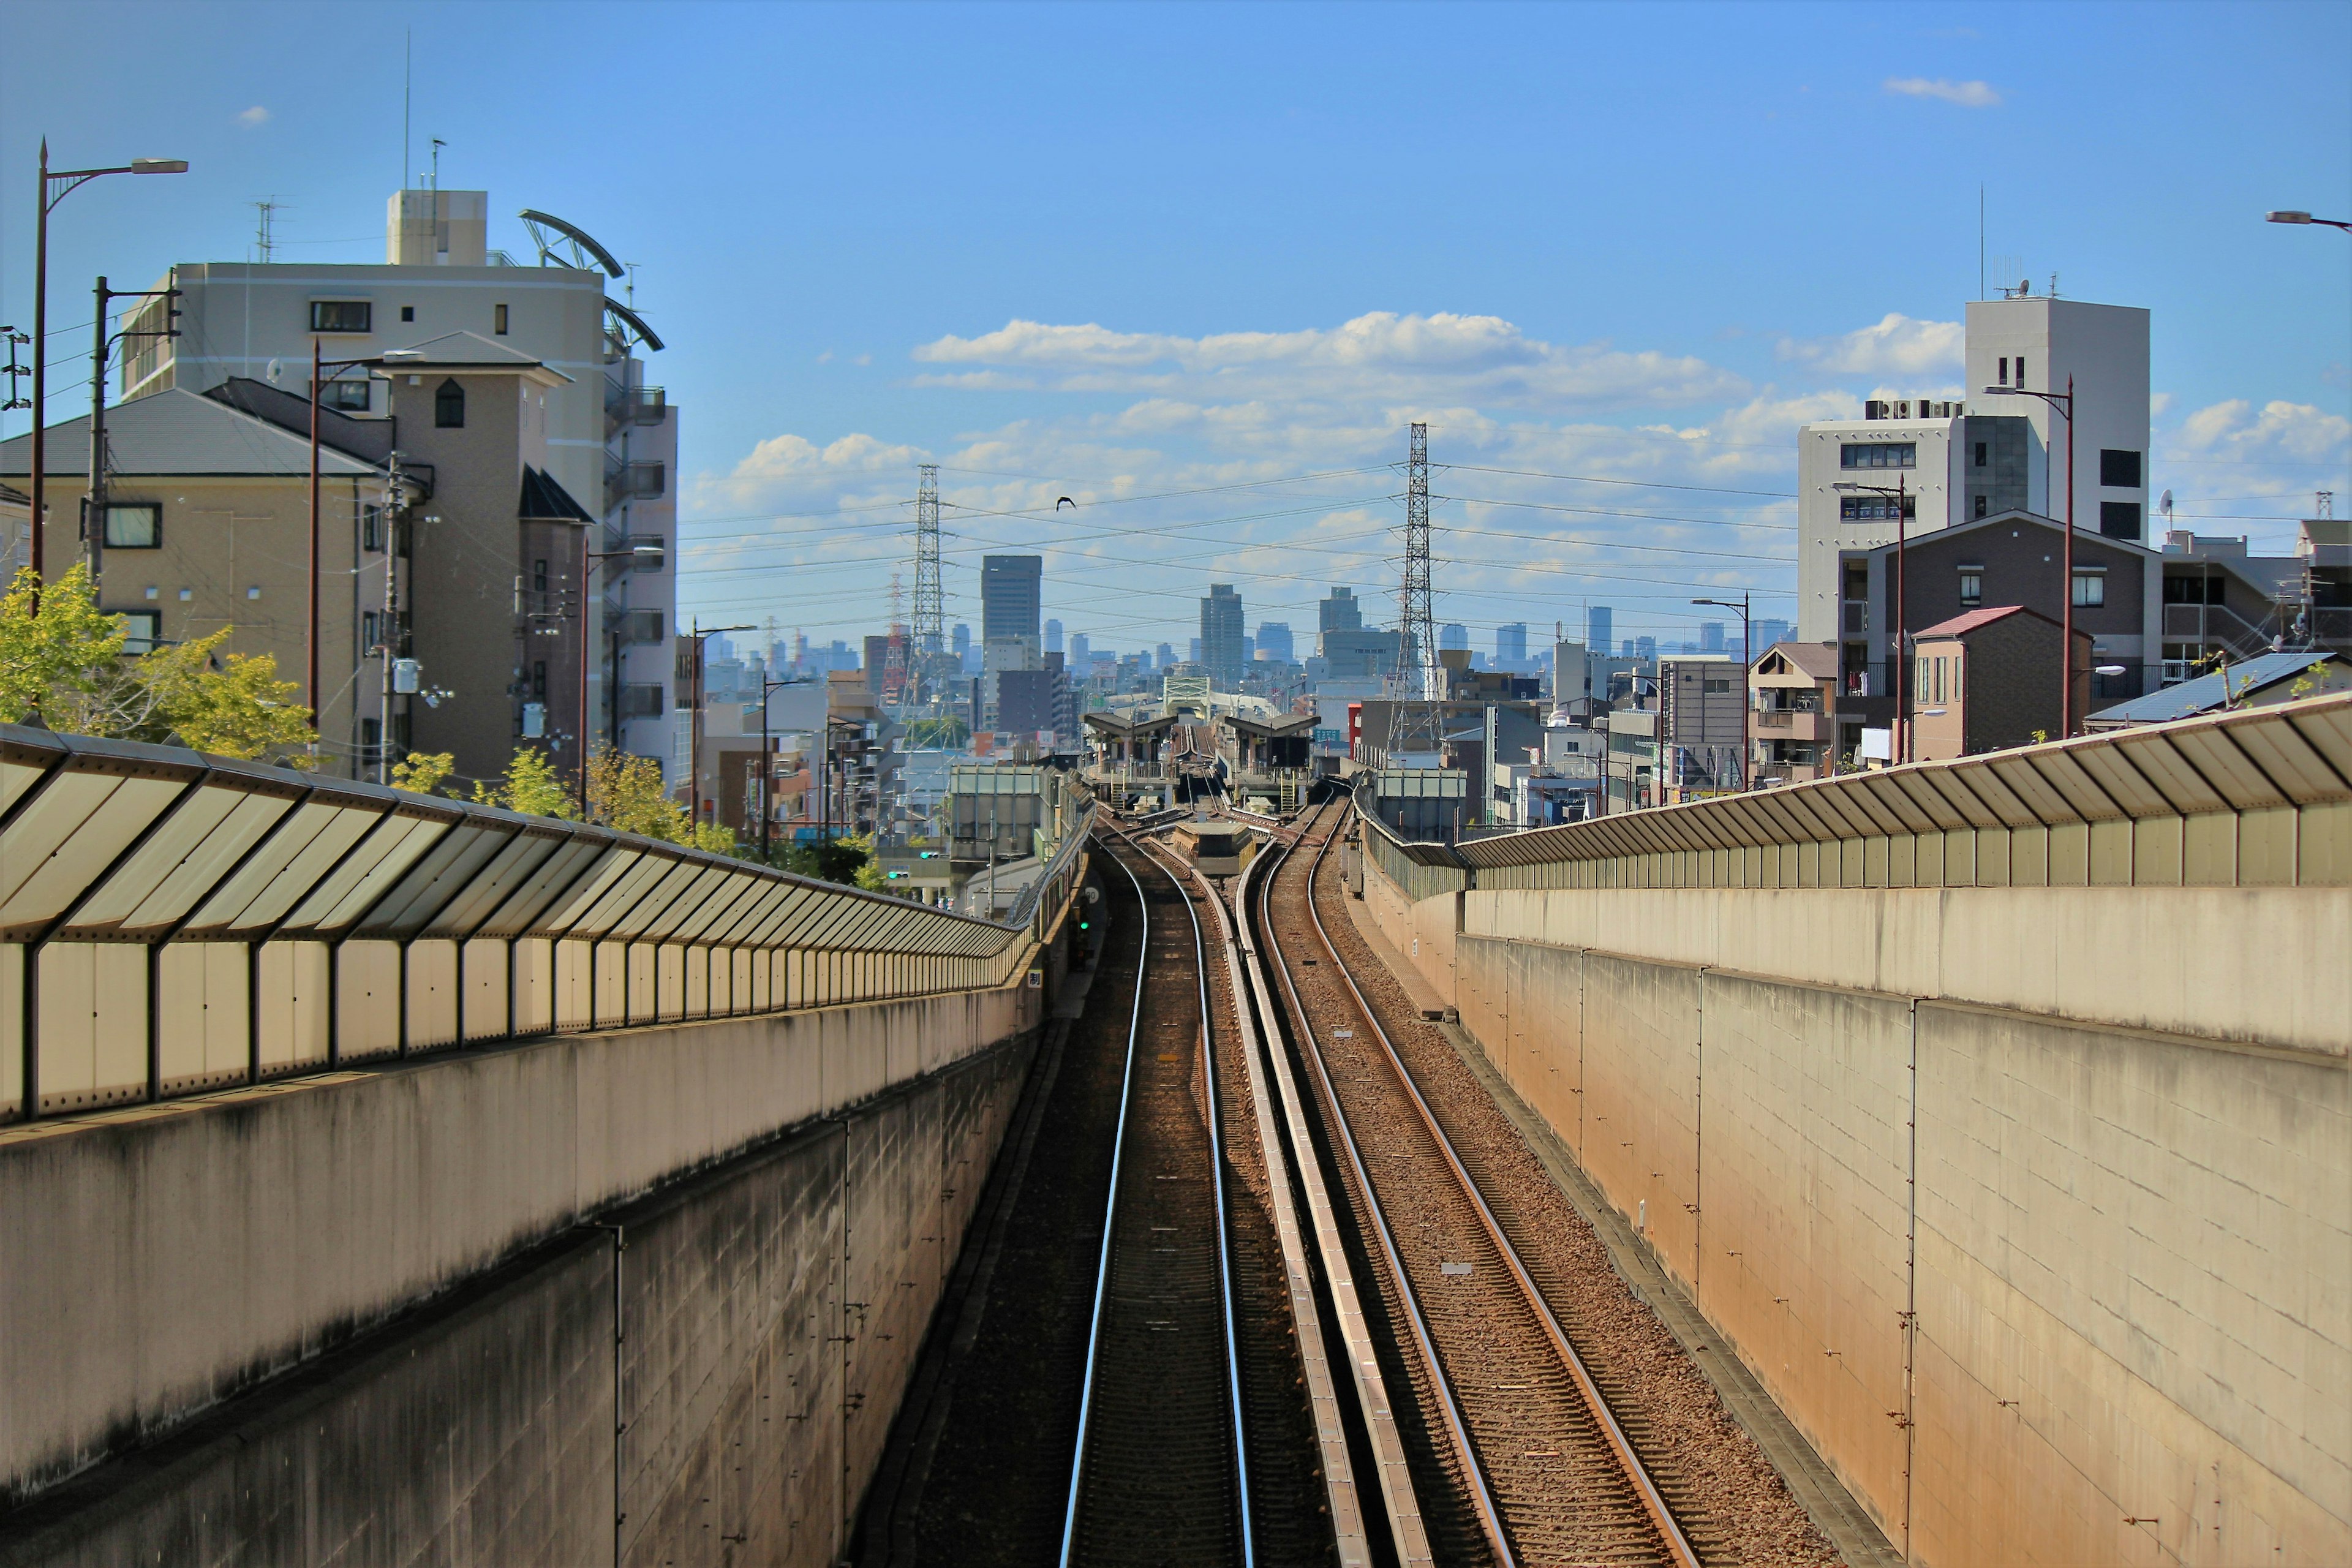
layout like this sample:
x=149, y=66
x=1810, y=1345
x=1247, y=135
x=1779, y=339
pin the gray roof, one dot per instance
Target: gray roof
x=455, y=349
x=2208, y=693
x=179, y=433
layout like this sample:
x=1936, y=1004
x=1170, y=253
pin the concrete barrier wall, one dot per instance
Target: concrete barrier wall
x=157, y=1259
x=706, y=1374
x=2125, y=1225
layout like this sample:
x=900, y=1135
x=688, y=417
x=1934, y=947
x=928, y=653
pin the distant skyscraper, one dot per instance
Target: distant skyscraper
x=1341, y=612
x=1626, y=651
x=1010, y=587
x=1274, y=640
x=1195, y=655
x=1082, y=652
x=1166, y=657
x=1600, y=628
x=1645, y=647
x=1452, y=635
x=1511, y=644
x=1053, y=637
x=1768, y=632
x=1221, y=633
x=1710, y=637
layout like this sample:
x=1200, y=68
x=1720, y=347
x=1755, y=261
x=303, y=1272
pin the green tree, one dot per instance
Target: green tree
x=67, y=660
x=531, y=786
x=421, y=771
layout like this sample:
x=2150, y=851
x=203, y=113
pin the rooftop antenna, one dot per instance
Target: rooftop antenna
x=631, y=286
x=1980, y=240
x=263, y=242
x=438, y=145
x=407, y=99
x=2326, y=500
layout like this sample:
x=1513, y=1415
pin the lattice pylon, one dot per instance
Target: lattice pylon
x=1420, y=683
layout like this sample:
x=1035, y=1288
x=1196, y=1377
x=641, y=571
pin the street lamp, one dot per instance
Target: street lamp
x=2290, y=216
x=2064, y=403
x=1902, y=607
x=1747, y=652
x=642, y=554
x=55, y=185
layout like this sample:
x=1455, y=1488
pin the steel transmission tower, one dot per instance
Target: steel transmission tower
x=1418, y=727
x=930, y=635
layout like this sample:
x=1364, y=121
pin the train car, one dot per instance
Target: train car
x=1216, y=849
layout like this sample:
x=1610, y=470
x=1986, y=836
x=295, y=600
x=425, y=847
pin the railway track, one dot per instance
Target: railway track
x=1518, y=1435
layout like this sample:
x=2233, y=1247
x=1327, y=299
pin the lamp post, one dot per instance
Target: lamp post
x=55, y=185
x=694, y=718
x=1747, y=652
x=2064, y=403
x=589, y=560
x=1902, y=608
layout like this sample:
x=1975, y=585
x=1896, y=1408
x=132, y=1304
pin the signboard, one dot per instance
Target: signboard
x=1877, y=745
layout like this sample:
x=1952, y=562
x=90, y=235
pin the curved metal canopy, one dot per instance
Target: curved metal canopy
x=635, y=323
x=583, y=247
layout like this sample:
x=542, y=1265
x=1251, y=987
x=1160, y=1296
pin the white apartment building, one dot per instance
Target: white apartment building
x=1956, y=460
x=611, y=439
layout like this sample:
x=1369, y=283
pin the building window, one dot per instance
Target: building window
x=143, y=630
x=2090, y=590
x=341, y=316
x=1874, y=509
x=498, y=319
x=371, y=631
x=1714, y=685
x=136, y=526
x=350, y=396
x=2118, y=471
x=449, y=406
x=1984, y=504
x=539, y=576
x=2198, y=590
x=539, y=677
x=371, y=527
x=2004, y=371
x=2021, y=372
x=1971, y=585
x=2119, y=519
x=408, y=312
x=1879, y=454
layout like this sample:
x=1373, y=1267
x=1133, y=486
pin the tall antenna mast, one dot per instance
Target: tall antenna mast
x=1421, y=684
x=930, y=640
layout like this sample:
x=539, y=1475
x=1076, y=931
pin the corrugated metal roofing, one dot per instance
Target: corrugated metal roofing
x=179, y=433
x=2208, y=692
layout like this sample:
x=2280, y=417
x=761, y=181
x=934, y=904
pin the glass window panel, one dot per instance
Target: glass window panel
x=761, y=928
x=438, y=879
x=711, y=886
x=724, y=904
x=623, y=894
x=287, y=868
x=656, y=898
x=518, y=866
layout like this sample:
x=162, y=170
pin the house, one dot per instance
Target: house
x=2259, y=682
x=1987, y=680
x=1792, y=689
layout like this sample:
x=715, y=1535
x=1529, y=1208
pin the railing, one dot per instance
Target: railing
x=2259, y=797
x=172, y=923
x=635, y=481
x=2217, y=623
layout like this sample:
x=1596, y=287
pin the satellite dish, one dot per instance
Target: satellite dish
x=2165, y=505
x=271, y=373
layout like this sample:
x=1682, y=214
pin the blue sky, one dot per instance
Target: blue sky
x=1197, y=267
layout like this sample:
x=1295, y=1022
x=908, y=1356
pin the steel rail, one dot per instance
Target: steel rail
x=1457, y=1429
x=1111, y=1220
x=1677, y=1545
x=1348, y=1521
x=1408, y=1530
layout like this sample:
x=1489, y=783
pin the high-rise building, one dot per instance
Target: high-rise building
x=1010, y=591
x=1274, y=641
x=1600, y=629
x=1166, y=656
x=1053, y=637
x=1221, y=633
x=444, y=336
x=1194, y=656
x=1511, y=645
x=1769, y=631
x=1452, y=635
x=1710, y=637
x=1645, y=647
x=1082, y=653
x=1341, y=612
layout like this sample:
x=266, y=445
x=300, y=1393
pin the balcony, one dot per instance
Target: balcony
x=635, y=481
x=631, y=405
x=1857, y=617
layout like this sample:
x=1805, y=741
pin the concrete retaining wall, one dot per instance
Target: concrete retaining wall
x=731, y=1349
x=2129, y=1238
x=158, y=1259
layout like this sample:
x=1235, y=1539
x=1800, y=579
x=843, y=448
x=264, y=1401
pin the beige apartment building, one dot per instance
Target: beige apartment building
x=551, y=378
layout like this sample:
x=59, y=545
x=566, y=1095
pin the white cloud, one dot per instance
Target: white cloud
x=1966, y=94
x=1379, y=356
x=2279, y=432
x=1895, y=346
x=253, y=117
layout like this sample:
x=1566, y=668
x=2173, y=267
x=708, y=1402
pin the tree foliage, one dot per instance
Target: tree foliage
x=421, y=771
x=63, y=658
x=531, y=786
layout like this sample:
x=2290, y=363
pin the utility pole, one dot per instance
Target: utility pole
x=93, y=525
x=1418, y=725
